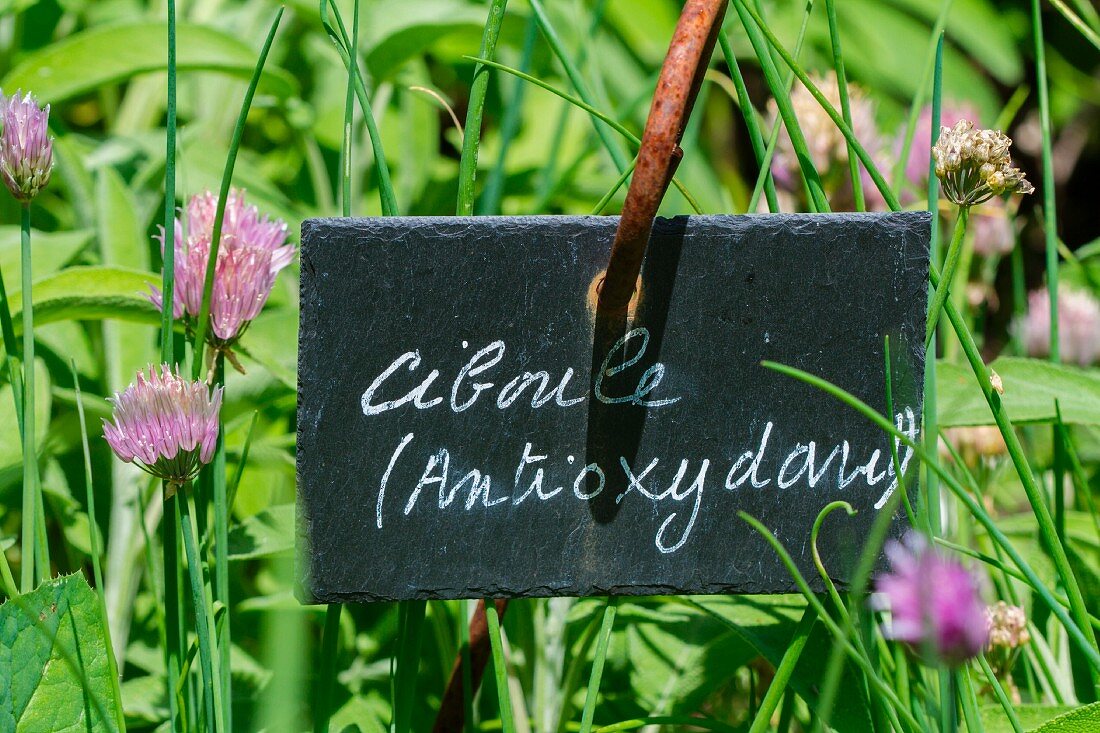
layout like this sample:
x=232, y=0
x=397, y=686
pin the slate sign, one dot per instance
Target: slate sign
x=460, y=436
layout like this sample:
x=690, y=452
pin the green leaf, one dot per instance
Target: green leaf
x=401, y=30
x=54, y=670
x=1082, y=720
x=1031, y=387
x=52, y=251
x=94, y=58
x=11, y=451
x=271, y=532
x=90, y=293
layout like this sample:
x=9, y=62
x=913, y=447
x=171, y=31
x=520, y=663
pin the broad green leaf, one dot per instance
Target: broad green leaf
x=1085, y=719
x=86, y=61
x=272, y=341
x=88, y=294
x=1031, y=715
x=400, y=30
x=271, y=532
x=55, y=675
x=51, y=252
x=1031, y=387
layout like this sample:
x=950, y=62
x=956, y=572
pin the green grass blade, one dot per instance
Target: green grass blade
x=201, y=604
x=348, y=54
x=933, y=57
x=598, y=661
x=349, y=119
x=1050, y=215
x=765, y=173
x=471, y=140
x=93, y=536
x=845, y=105
x=861, y=152
x=493, y=192
x=1075, y=20
x=611, y=122
x=999, y=692
x=223, y=196
x=410, y=637
x=29, y=554
x=755, y=26
x=838, y=634
x=1083, y=638
x=752, y=123
x=603, y=202
x=762, y=721
x=330, y=642
x=618, y=156
x=500, y=671
x=168, y=271
x=931, y=416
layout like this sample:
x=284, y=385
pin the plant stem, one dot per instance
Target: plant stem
x=173, y=619
x=950, y=265
x=30, y=574
x=763, y=719
x=845, y=105
x=471, y=140
x=1050, y=216
x=748, y=112
x=330, y=640
x=203, y=627
x=168, y=273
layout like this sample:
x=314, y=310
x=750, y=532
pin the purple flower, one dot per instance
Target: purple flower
x=934, y=602
x=26, y=150
x=1078, y=326
x=165, y=424
x=253, y=250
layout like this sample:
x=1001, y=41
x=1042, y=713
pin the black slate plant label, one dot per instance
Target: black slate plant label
x=460, y=436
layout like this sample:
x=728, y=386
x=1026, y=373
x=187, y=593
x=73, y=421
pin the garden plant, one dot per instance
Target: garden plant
x=159, y=158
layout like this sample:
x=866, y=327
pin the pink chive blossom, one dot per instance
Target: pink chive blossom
x=26, y=149
x=165, y=424
x=1078, y=326
x=934, y=602
x=253, y=250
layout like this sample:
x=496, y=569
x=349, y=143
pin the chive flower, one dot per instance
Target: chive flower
x=26, y=149
x=1078, y=326
x=934, y=602
x=253, y=250
x=974, y=165
x=165, y=424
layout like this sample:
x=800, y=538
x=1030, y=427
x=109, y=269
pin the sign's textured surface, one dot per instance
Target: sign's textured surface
x=460, y=436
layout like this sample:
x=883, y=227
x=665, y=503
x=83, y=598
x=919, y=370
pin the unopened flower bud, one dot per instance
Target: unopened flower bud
x=26, y=150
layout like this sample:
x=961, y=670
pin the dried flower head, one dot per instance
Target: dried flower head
x=934, y=602
x=920, y=149
x=1007, y=626
x=253, y=250
x=165, y=424
x=974, y=166
x=26, y=149
x=1078, y=326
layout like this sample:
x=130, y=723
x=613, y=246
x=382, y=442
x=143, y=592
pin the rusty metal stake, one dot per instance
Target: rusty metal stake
x=452, y=710
x=681, y=75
